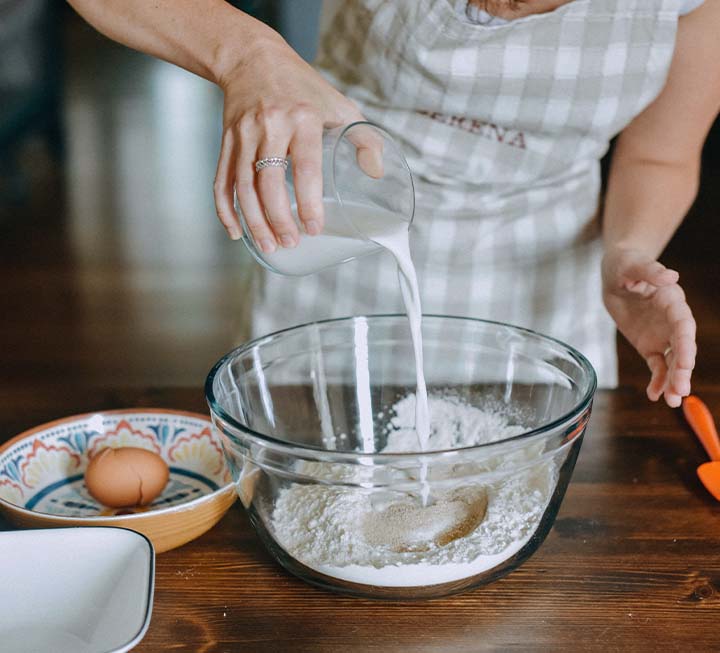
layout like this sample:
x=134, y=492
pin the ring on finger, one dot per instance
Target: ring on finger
x=667, y=351
x=271, y=162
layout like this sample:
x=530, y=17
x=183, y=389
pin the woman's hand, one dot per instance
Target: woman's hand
x=276, y=105
x=649, y=307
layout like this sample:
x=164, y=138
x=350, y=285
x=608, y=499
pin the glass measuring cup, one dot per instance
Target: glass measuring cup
x=356, y=204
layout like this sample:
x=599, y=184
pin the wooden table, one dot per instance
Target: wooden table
x=632, y=564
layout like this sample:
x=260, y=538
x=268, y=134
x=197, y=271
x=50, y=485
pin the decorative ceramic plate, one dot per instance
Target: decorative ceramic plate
x=42, y=470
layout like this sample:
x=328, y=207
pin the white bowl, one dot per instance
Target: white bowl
x=75, y=590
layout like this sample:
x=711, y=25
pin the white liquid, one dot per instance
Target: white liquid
x=397, y=241
x=338, y=242
x=341, y=240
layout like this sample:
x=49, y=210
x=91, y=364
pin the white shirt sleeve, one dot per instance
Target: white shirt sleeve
x=689, y=5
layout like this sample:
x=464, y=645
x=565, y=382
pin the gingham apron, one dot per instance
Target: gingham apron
x=503, y=128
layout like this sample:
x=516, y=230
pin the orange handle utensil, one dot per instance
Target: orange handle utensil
x=700, y=419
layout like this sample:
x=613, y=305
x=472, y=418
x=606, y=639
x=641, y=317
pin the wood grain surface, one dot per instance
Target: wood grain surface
x=632, y=563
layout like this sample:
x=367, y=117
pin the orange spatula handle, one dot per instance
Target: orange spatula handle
x=698, y=416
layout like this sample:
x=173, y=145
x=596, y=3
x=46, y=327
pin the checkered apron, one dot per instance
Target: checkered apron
x=503, y=128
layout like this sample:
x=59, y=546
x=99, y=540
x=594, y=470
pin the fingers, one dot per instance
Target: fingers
x=683, y=343
x=277, y=132
x=245, y=179
x=679, y=384
x=271, y=186
x=684, y=349
x=682, y=324
x=653, y=272
x=262, y=195
x=637, y=275
x=306, y=154
x=642, y=288
x=679, y=360
x=673, y=398
x=223, y=187
x=658, y=369
x=369, y=144
x=663, y=324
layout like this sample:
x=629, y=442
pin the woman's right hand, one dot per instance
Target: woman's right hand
x=276, y=105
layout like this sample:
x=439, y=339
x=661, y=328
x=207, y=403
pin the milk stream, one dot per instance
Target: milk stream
x=396, y=239
x=341, y=240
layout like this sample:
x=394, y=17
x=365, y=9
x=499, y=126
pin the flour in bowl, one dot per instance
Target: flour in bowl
x=391, y=539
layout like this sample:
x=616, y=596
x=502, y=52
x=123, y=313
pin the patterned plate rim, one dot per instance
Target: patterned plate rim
x=115, y=411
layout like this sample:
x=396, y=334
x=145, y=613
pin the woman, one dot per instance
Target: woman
x=504, y=110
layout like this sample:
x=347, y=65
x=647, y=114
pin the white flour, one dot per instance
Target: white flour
x=390, y=539
x=393, y=538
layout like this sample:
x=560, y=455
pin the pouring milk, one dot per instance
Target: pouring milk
x=342, y=240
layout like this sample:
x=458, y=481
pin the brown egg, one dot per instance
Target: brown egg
x=127, y=476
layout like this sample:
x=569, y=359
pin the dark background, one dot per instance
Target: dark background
x=116, y=272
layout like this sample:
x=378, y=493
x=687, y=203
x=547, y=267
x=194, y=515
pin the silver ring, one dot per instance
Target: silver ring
x=666, y=352
x=271, y=162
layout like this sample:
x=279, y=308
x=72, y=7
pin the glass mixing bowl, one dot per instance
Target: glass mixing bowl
x=317, y=427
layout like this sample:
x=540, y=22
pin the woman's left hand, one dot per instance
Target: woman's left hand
x=649, y=307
